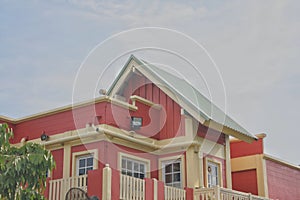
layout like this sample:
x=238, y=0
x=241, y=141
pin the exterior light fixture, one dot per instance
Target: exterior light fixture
x=136, y=123
x=44, y=137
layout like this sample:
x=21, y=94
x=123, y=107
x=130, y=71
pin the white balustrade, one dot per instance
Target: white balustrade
x=132, y=188
x=59, y=187
x=218, y=193
x=173, y=193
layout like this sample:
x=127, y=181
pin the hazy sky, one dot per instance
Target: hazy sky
x=255, y=45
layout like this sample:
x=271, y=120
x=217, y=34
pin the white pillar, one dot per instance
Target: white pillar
x=106, y=183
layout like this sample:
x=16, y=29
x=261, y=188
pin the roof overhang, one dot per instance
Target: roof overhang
x=229, y=131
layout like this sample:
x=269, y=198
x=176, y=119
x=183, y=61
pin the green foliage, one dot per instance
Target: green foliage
x=22, y=170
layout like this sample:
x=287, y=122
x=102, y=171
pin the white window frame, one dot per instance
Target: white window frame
x=210, y=162
x=77, y=155
x=168, y=160
x=136, y=159
x=85, y=157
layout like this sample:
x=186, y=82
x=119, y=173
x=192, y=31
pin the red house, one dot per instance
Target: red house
x=261, y=174
x=151, y=136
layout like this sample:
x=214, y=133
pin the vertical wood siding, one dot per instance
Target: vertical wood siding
x=170, y=114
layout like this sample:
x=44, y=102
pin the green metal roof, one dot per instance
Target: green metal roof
x=189, y=94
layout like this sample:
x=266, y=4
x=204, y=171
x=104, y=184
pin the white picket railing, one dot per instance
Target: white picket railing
x=59, y=187
x=218, y=193
x=173, y=193
x=132, y=188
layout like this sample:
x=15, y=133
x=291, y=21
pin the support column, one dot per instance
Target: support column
x=264, y=169
x=201, y=172
x=192, y=167
x=228, y=163
x=106, y=184
x=67, y=161
x=155, y=190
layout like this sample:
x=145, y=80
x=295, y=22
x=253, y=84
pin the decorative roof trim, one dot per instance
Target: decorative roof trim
x=271, y=158
x=70, y=107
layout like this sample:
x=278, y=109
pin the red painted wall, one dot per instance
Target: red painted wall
x=95, y=183
x=283, y=181
x=154, y=124
x=59, y=122
x=240, y=148
x=170, y=116
x=58, y=156
x=245, y=181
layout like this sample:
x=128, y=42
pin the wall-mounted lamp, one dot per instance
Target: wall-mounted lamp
x=136, y=123
x=44, y=137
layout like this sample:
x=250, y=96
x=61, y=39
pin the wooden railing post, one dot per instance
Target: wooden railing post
x=106, y=184
x=250, y=196
x=217, y=193
x=155, y=189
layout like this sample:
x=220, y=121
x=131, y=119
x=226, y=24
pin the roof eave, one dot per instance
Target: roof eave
x=229, y=131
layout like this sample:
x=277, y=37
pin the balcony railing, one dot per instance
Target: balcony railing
x=218, y=193
x=132, y=188
x=59, y=187
x=173, y=193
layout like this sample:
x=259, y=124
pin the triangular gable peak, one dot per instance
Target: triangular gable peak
x=135, y=69
x=190, y=100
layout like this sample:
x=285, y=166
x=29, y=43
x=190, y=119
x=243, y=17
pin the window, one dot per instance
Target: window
x=212, y=174
x=84, y=164
x=171, y=172
x=132, y=167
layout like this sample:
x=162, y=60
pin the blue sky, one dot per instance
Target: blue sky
x=255, y=45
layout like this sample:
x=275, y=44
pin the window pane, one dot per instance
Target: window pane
x=136, y=167
x=129, y=173
x=90, y=161
x=168, y=168
x=142, y=168
x=123, y=163
x=82, y=163
x=129, y=164
x=176, y=177
x=142, y=176
x=81, y=172
x=176, y=167
x=169, y=178
x=136, y=175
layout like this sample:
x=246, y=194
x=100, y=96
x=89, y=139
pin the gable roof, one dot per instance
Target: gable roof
x=212, y=115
